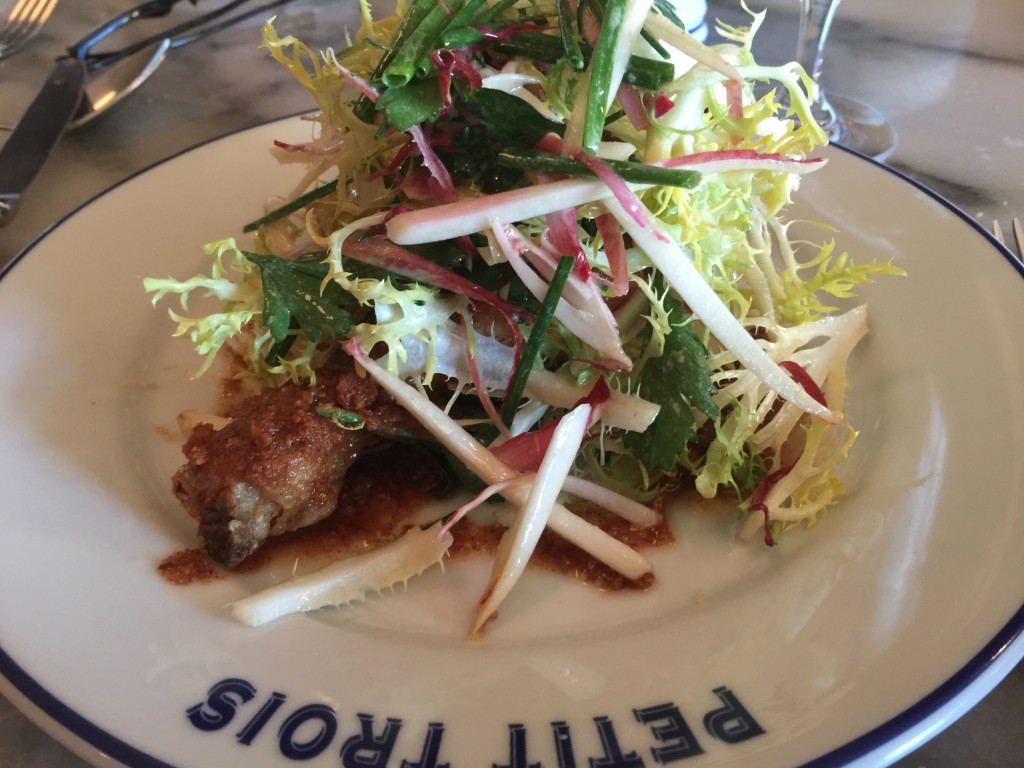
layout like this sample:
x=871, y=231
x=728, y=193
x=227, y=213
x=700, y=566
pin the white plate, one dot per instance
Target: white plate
x=852, y=641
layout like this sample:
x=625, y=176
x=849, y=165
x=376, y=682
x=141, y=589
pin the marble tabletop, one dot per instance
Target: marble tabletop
x=949, y=82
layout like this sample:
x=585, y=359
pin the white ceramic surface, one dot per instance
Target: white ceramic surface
x=863, y=635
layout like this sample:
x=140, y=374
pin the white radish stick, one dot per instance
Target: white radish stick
x=349, y=580
x=532, y=518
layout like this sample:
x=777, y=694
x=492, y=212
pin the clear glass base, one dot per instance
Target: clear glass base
x=857, y=126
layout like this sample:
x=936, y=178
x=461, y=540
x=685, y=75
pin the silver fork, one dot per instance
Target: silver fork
x=23, y=23
x=1018, y=235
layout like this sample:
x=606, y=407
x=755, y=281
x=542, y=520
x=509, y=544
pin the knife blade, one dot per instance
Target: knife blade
x=38, y=131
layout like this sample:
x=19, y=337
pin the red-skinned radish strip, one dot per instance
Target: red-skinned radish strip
x=484, y=495
x=622, y=410
x=379, y=252
x=349, y=580
x=467, y=217
x=525, y=452
x=734, y=97
x=627, y=199
x=633, y=106
x=478, y=384
x=364, y=87
x=593, y=324
x=631, y=511
x=679, y=271
x=664, y=30
x=615, y=252
x=490, y=469
x=520, y=540
x=581, y=292
x=565, y=239
x=803, y=378
x=725, y=160
x=448, y=193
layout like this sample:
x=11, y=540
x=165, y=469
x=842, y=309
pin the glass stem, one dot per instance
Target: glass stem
x=815, y=21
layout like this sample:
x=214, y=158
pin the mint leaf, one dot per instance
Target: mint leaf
x=678, y=381
x=292, y=299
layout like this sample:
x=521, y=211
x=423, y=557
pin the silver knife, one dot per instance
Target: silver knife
x=38, y=131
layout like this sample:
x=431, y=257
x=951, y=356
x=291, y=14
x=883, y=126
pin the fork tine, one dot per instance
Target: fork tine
x=23, y=22
x=1018, y=236
x=17, y=11
x=22, y=14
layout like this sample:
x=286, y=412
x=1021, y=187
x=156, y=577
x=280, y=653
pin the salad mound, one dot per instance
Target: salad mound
x=553, y=231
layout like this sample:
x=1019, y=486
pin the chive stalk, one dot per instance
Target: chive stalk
x=570, y=44
x=417, y=12
x=487, y=15
x=641, y=71
x=531, y=349
x=299, y=202
x=417, y=47
x=638, y=173
x=599, y=96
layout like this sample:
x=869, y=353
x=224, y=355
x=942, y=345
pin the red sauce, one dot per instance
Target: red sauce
x=380, y=499
x=189, y=566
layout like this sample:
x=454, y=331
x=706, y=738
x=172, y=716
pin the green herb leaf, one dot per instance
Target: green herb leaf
x=292, y=299
x=419, y=101
x=678, y=381
x=509, y=118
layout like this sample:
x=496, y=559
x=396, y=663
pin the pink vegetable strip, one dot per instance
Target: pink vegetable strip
x=380, y=252
x=519, y=541
x=478, y=384
x=490, y=469
x=633, y=106
x=592, y=322
x=683, y=276
x=448, y=193
x=494, y=488
x=742, y=160
x=615, y=252
x=629, y=201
